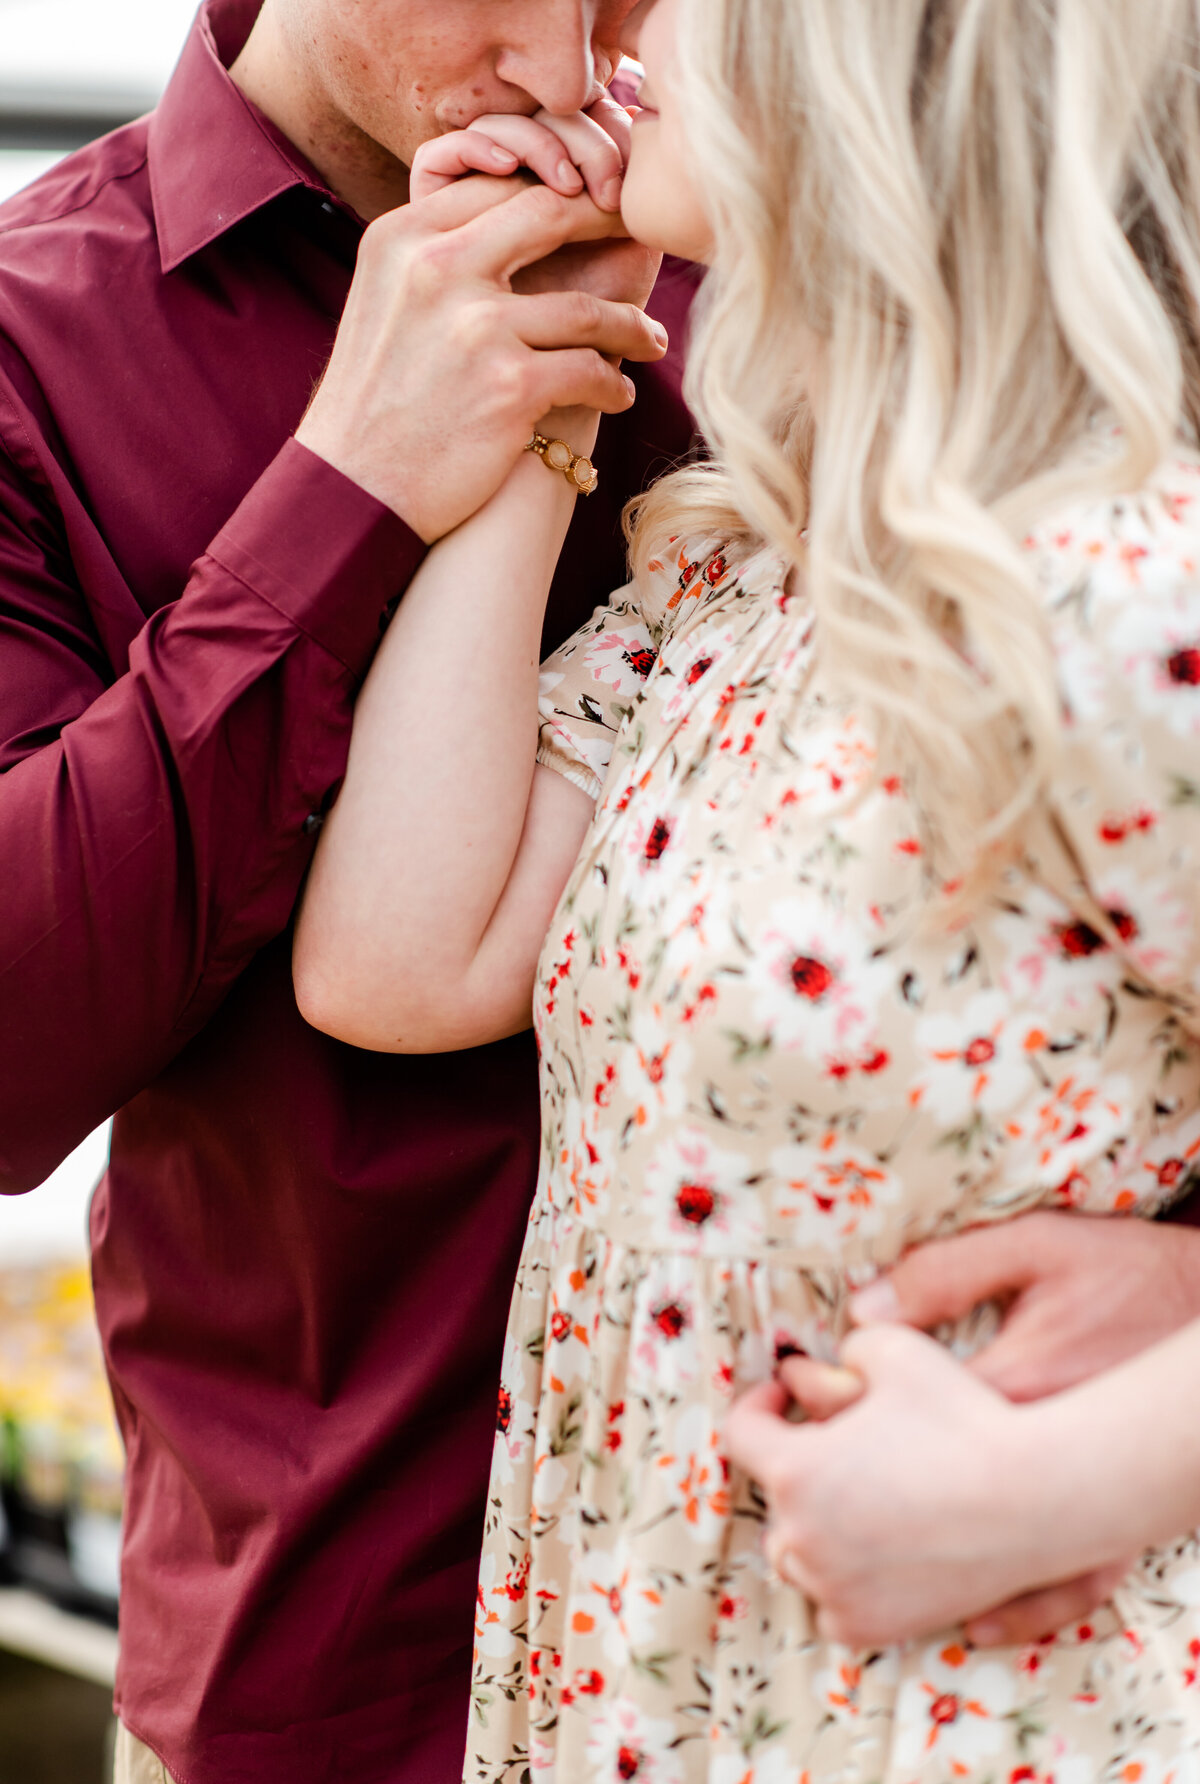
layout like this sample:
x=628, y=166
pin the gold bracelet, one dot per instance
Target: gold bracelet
x=578, y=470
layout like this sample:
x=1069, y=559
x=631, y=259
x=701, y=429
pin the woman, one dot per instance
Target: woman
x=884, y=923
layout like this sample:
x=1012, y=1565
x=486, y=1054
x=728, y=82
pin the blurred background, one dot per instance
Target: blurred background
x=69, y=71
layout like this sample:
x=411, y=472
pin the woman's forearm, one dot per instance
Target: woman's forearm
x=416, y=855
x=1121, y=1454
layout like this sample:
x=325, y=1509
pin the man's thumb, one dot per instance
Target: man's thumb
x=946, y=1278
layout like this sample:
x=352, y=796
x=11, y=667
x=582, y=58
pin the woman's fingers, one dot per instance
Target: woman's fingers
x=447, y=158
x=589, y=141
x=577, y=319
x=822, y=1389
x=1036, y=1615
x=570, y=155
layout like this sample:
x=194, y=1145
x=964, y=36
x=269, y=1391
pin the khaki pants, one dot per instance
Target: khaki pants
x=135, y=1764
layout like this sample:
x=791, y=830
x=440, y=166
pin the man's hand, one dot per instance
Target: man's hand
x=588, y=152
x=441, y=369
x=1080, y=1294
x=923, y=1502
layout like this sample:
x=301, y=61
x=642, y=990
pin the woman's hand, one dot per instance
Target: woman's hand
x=931, y=1498
x=586, y=152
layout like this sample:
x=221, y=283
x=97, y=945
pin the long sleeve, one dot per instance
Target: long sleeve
x=155, y=828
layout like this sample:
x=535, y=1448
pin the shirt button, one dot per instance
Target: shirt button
x=313, y=823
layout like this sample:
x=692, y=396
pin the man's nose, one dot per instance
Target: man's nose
x=554, y=63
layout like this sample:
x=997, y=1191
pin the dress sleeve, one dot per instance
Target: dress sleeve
x=591, y=684
x=1126, y=794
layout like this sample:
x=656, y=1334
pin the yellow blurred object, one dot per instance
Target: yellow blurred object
x=54, y=1398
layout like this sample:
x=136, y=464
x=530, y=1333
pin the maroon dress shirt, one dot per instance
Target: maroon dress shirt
x=303, y=1254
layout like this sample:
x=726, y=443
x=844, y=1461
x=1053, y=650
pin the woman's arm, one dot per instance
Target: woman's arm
x=932, y=1499
x=440, y=865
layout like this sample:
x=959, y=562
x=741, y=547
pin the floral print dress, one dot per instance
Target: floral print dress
x=765, y=1072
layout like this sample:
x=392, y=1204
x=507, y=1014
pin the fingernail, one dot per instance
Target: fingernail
x=985, y=1634
x=660, y=334
x=610, y=194
x=569, y=174
x=876, y=1305
x=631, y=387
x=502, y=156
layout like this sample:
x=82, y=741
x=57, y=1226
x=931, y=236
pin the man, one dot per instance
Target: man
x=302, y=1254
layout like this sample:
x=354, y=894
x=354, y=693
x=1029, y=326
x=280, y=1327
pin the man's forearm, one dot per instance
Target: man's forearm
x=161, y=840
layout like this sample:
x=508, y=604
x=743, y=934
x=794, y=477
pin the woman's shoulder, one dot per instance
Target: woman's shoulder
x=1117, y=542
x=694, y=572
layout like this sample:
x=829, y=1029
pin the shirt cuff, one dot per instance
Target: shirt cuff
x=328, y=556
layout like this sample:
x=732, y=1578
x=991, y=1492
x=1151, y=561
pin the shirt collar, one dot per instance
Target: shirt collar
x=214, y=158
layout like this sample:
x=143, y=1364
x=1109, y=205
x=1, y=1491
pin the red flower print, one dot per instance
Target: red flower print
x=945, y=1709
x=688, y=575
x=980, y=1052
x=670, y=1318
x=696, y=1203
x=811, y=978
x=588, y=1683
x=698, y=671
x=560, y=1326
x=656, y=842
x=629, y=1762
x=641, y=661
x=1078, y=940
x=714, y=571
x=1183, y=666
x=1125, y=925
x=504, y=1411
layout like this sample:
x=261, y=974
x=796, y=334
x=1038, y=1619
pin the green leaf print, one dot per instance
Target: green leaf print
x=535, y=1345
x=654, y=1666
x=747, y=1046
x=1184, y=791
x=569, y=1431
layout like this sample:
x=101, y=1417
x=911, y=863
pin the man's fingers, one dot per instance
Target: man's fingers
x=946, y=1278
x=822, y=1389
x=578, y=378
x=576, y=319
x=754, y=1427
x=507, y=237
x=592, y=149
x=1039, y=1614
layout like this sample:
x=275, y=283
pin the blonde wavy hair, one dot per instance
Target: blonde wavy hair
x=951, y=237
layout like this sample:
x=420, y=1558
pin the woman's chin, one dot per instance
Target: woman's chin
x=652, y=224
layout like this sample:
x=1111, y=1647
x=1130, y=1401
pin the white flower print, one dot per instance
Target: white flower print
x=625, y=1746
x=695, y=664
x=1156, y=644
x=611, y=1602
x=514, y=1416
x=1078, y=1118
x=1154, y=920
x=830, y=1192
x=976, y=1059
x=622, y=658
x=953, y=1710
x=665, y=1352
x=583, y=1152
x=493, y=1633
x=655, y=1066
x=813, y=989
x=769, y=1765
x=699, y=1473
x=696, y=1195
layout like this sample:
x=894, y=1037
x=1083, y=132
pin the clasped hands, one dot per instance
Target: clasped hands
x=507, y=291
x=923, y=1492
